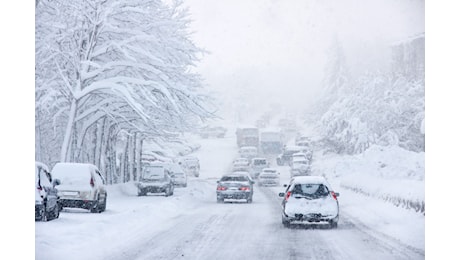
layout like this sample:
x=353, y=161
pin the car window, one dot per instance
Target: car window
x=316, y=190
x=99, y=178
x=234, y=178
x=45, y=178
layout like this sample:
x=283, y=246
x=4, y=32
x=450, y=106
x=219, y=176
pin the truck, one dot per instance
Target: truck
x=271, y=141
x=247, y=136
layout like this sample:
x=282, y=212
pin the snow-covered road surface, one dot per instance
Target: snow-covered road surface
x=192, y=225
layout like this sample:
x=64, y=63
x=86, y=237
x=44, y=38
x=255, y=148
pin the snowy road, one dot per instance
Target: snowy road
x=192, y=225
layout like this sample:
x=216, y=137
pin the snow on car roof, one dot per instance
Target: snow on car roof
x=310, y=179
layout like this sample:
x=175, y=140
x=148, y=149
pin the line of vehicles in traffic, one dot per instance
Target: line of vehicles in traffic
x=81, y=185
x=307, y=199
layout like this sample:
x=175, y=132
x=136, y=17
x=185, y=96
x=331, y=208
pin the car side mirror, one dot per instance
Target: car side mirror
x=281, y=194
x=218, y=181
x=56, y=182
x=337, y=194
x=284, y=185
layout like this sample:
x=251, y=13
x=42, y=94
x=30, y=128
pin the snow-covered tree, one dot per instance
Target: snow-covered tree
x=119, y=65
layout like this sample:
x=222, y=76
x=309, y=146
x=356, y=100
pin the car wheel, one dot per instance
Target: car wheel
x=95, y=207
x=168, y=192
x=333, y=224
x=44, y=214
x=220, y=200
x=103, y=205
x=249, y=200
x=55, y=213
x=285, y=222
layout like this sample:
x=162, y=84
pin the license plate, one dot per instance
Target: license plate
x=70, y=193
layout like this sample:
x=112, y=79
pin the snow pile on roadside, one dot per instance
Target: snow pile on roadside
x=388, y=173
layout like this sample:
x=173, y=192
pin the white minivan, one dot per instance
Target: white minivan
x=82, y=186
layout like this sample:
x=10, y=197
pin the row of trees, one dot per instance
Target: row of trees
x=110, y=74
x=385, y=108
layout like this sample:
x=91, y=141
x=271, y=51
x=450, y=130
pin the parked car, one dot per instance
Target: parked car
x=82, y=186
x=269, y=177
x=178, y=174
x=235, y=186
x=46, y=195
x=191, y=165
x=155, y=178
x=309, y=200
x=257, y=164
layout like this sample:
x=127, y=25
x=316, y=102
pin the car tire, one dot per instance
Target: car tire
x=141, y=193
x=95, y=207
x=55, y=213
x=44, y=214
x=220, y=200
x=285, y=222
x=103, y=205
x=333, y=224
x=249, y=200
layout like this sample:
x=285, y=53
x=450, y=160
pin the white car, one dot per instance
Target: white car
x=269, y=177
x=82, y=186
x=178, y=174
x=309, y=200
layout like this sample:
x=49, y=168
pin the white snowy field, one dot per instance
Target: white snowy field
x=187, y=222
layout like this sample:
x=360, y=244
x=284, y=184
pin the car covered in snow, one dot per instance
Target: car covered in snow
x=155, y=178
x=191, y=165
x=309, y=200
x=178, y=174
x=286, y=156
x=46, y=195
x=257, y=164
x=300, y=167
x=269, y=177
x=82, y=186
x=235, y=186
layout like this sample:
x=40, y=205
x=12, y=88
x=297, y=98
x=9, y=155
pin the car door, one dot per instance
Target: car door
x=46, y=183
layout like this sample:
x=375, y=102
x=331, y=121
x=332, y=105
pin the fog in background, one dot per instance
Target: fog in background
x=272, y=54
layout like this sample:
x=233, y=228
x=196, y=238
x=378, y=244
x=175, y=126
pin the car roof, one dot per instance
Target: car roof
x=309, y=180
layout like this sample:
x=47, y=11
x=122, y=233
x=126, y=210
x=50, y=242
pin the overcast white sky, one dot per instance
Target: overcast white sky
x=276, y=50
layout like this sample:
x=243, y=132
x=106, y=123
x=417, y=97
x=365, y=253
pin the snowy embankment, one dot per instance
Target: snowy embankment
x=390, y=174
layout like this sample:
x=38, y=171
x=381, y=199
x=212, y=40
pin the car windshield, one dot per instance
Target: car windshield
x=234, y=178
x=260, y=162
x=310, y=190
x=153, y=173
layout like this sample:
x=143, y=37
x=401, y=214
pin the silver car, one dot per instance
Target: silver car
x=236, y=186
x=309, y=200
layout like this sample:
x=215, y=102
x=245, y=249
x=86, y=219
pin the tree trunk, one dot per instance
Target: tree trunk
x=65, y=156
